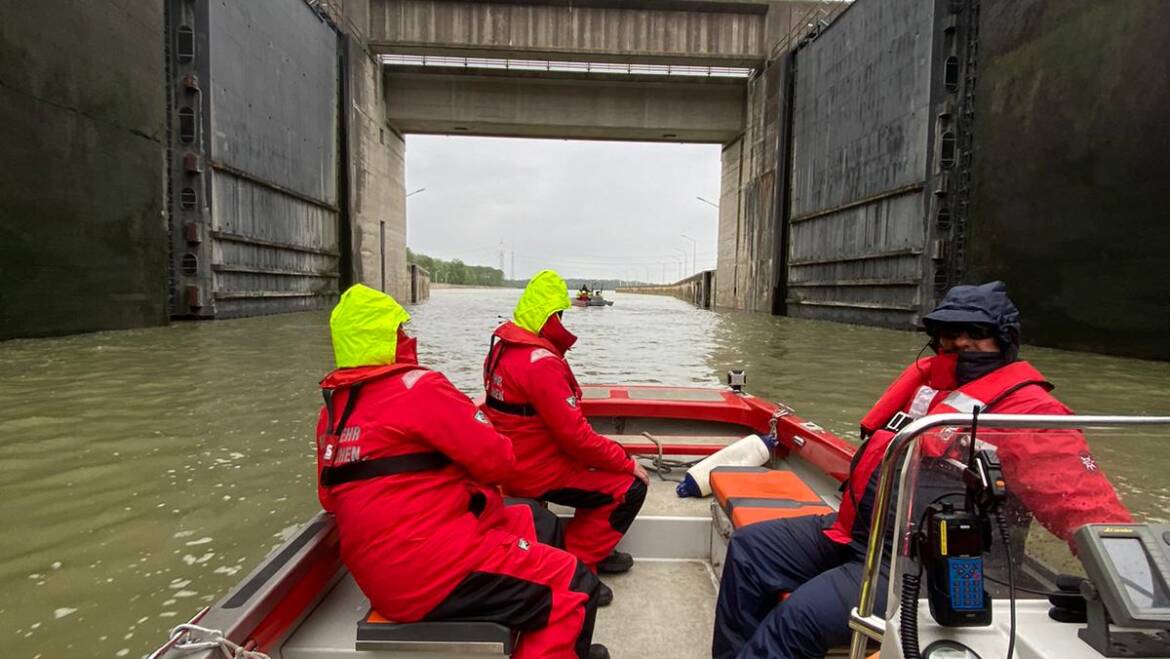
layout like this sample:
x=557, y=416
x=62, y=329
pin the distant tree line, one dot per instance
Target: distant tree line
x=456, y=271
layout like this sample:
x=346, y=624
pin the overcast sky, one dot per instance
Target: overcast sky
x=586, y=209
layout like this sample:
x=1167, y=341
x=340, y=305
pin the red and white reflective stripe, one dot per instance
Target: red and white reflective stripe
x=963, y=403
x=920, y=404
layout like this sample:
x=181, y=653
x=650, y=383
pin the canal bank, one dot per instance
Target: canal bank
x=147, y=470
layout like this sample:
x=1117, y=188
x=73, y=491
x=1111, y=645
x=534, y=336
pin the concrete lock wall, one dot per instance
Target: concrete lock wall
x=749, y=259
x=836, y=197
x=1071, y=171
x=730, y=256
x=377, y=180
x=698, y=289
x=82, y=124
x=257, y=206
x=861, y=160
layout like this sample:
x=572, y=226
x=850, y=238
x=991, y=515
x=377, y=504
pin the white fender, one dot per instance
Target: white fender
x=751, y=451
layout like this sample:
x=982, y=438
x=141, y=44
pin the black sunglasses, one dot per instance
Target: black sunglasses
x=974, y=331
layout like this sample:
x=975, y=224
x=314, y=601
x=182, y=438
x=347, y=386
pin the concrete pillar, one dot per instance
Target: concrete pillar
x=728, y=294
x=377, y=170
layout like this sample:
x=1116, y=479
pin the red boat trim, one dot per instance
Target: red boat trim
x=241, y=596
x=797, y=436
x=295, y=604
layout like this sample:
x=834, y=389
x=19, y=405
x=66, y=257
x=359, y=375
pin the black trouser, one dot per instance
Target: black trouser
x=549, y=528
x=535, y=589
x=787, y=556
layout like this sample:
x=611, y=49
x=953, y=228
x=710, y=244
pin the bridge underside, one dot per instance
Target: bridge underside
x=564, y=106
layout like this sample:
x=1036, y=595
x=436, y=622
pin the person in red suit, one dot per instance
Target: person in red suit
x=533, y=398
x=818, y=560
x=410, y=468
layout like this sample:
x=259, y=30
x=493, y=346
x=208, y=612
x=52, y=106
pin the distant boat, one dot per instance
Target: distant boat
x=595, y=300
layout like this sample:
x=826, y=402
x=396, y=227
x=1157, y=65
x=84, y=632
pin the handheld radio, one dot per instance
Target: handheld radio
x=952, y=547
x=953, y=542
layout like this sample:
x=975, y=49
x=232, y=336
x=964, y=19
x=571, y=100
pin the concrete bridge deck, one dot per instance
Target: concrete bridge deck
x=679, y=31
x=511, y=103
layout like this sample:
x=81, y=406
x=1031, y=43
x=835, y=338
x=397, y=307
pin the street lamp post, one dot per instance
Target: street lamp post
x=410, y=194
x=694, y=253
x=683, y=266
x=709, y=203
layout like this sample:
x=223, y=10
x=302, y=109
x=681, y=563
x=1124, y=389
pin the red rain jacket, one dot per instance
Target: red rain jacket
x=525, y=369
x=409, y=538
x=1049, y=470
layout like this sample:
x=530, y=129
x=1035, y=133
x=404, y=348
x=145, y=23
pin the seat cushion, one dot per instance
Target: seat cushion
x=742, y=516
x=764, y=484
x=375, y=632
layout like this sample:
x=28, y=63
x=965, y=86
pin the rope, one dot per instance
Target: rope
x=662, y=465
x=216, y=641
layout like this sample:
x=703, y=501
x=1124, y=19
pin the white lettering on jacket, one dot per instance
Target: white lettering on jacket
x=348, y=454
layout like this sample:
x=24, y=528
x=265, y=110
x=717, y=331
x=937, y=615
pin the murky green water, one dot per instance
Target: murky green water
x=142, y=471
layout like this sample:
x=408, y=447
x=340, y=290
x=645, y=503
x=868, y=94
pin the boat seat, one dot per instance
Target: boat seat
x=742, y=516
x=759, y=483
x=755, y=494
x=375, y=632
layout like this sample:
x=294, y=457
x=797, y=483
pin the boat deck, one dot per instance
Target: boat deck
x=661, y=608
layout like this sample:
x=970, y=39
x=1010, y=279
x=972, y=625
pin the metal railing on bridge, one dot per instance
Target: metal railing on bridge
x=615, y=68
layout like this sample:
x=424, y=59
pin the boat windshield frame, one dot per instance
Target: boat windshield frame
x=863, y=623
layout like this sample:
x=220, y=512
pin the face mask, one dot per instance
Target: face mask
x=556, y=333
x=974, y=365
x=407, y=350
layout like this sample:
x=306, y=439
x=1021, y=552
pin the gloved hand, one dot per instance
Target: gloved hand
x=1068, y=605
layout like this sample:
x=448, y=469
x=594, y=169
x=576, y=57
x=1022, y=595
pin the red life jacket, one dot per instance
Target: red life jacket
x=411, y=532
x=508, y=335
x=910, y=397
x=338, y=464
x=533, y=398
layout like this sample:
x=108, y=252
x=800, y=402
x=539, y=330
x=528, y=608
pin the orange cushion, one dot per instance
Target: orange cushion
x=375, y=617
x=760, y=485
x=742, y=516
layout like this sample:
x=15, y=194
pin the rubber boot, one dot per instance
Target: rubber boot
x=604, y=594
x=616, y=563
x=598, y=651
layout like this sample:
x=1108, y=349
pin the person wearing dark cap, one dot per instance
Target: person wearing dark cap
x=817, y=560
